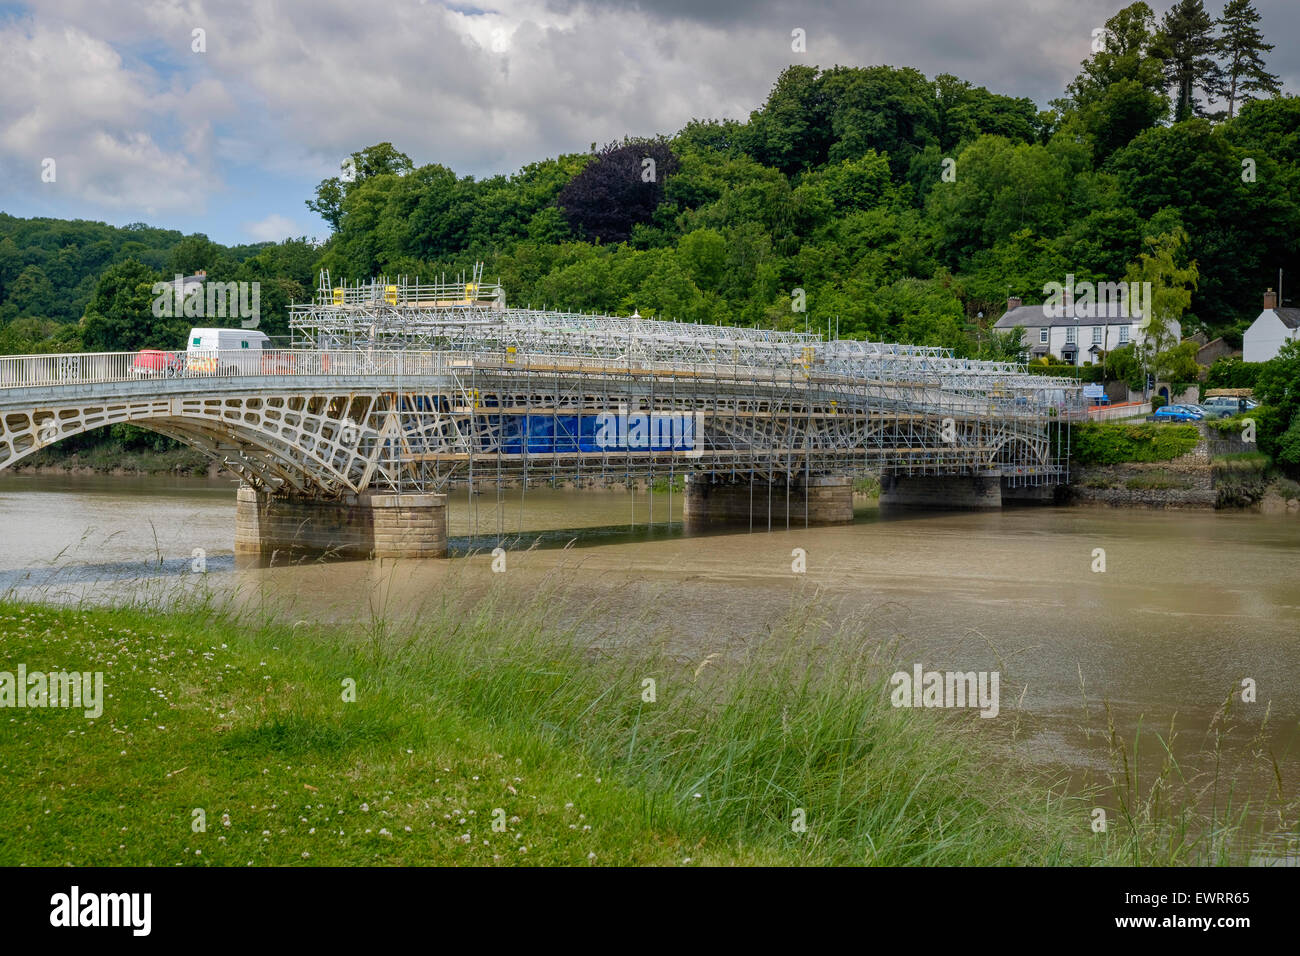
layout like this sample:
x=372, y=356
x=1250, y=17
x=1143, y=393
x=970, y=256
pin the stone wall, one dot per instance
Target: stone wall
x=965, y=492
x=356, y=526
x=1183, y=482
x=823, y=500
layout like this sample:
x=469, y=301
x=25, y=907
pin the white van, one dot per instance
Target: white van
x=224, y=352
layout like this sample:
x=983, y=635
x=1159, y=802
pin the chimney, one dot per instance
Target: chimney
x=1013, y=303
x=1270, y=300
x=201, y=272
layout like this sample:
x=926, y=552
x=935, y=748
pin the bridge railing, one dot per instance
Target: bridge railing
x=91, y=368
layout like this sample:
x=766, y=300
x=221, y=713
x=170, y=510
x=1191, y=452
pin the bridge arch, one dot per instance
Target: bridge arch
x=1036, y=449
x=303, y=443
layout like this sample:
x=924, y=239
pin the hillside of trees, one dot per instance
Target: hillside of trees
x=904, y=207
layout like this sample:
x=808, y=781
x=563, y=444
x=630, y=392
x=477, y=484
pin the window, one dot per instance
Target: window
x=197, y=341
x=1123, y=335
x=1096, y=335
x=1072, y=335
x=1042, y=336
x=243, y=344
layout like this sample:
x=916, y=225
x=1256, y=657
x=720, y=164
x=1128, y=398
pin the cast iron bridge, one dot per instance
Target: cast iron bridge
x=397, y=388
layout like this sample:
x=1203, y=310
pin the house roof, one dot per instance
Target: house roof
x=1036, y=317
x=1290, y=317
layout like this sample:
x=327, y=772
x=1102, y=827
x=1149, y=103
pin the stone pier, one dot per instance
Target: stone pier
x=966, y=492
x=355, y=526
x=720, y=501
x=1030, y=494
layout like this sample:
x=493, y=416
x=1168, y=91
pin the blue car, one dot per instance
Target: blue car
x=1176, y=413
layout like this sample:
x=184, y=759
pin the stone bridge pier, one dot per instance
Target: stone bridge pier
x=354, y=526
x=965, y=492
x=818, y=500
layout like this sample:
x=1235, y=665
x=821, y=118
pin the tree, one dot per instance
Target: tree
x=965, y=111
x=32, y=292
x=1242, y=46
x=1000, y=189
x=792, y=131
x=377, y=160
x=1121, y=89
x=1278, y=382
x=1187, y=45
x=192, y=254
x=1170, y=285
x=882, y=108
x=1239, y=231
x=620, y=189
x=120, y=317
x=1278, y=388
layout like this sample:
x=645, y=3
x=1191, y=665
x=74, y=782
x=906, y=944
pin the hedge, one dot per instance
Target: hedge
x=1107, y=443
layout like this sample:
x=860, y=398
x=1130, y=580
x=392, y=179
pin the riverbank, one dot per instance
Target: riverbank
x=479, y=738
x=1175, y=467
x=477, y=735
x=110, y=458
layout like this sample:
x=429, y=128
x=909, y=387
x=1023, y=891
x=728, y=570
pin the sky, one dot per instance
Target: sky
x=221, y=116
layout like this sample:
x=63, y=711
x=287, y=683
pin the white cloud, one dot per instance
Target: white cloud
x=109, y=127
x=273, y=228
x=140, y=123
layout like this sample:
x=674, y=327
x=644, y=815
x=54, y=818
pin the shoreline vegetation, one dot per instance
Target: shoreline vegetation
x=1129, y=456
x=481, y=732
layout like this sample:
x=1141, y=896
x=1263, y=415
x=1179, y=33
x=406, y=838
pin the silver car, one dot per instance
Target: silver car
x=1223, y=406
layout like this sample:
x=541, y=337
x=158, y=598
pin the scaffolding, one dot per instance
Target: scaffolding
x=509, y=394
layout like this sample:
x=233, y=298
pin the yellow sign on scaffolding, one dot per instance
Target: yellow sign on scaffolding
x=338, y=296
x=390, y=294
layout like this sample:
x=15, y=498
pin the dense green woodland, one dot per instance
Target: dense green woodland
x=891, y=205
x=836, y=186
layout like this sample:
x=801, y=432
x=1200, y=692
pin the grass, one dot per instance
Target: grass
x=1244, y=462
x=1156, y=481
x=482, y=734
x=869, y=486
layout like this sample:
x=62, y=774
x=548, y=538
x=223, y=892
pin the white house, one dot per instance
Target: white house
x=1274, y=328
x=1078, y=334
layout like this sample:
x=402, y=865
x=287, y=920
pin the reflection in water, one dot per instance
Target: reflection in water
x=1189, y=605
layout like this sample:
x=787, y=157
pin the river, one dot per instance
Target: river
x=1189, y=605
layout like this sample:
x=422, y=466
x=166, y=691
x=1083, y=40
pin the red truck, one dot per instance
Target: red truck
x=155, y=363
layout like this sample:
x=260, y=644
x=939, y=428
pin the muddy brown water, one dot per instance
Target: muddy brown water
x=1190, y=603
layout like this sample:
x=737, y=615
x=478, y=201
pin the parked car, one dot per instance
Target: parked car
x=1175, y=413
x=1226, y=405
x=155, y=363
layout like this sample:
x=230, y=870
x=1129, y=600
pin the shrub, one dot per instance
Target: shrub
x=1232, y=373
x=1106, y=443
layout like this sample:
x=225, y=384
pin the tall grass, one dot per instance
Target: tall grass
x=783, y=750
